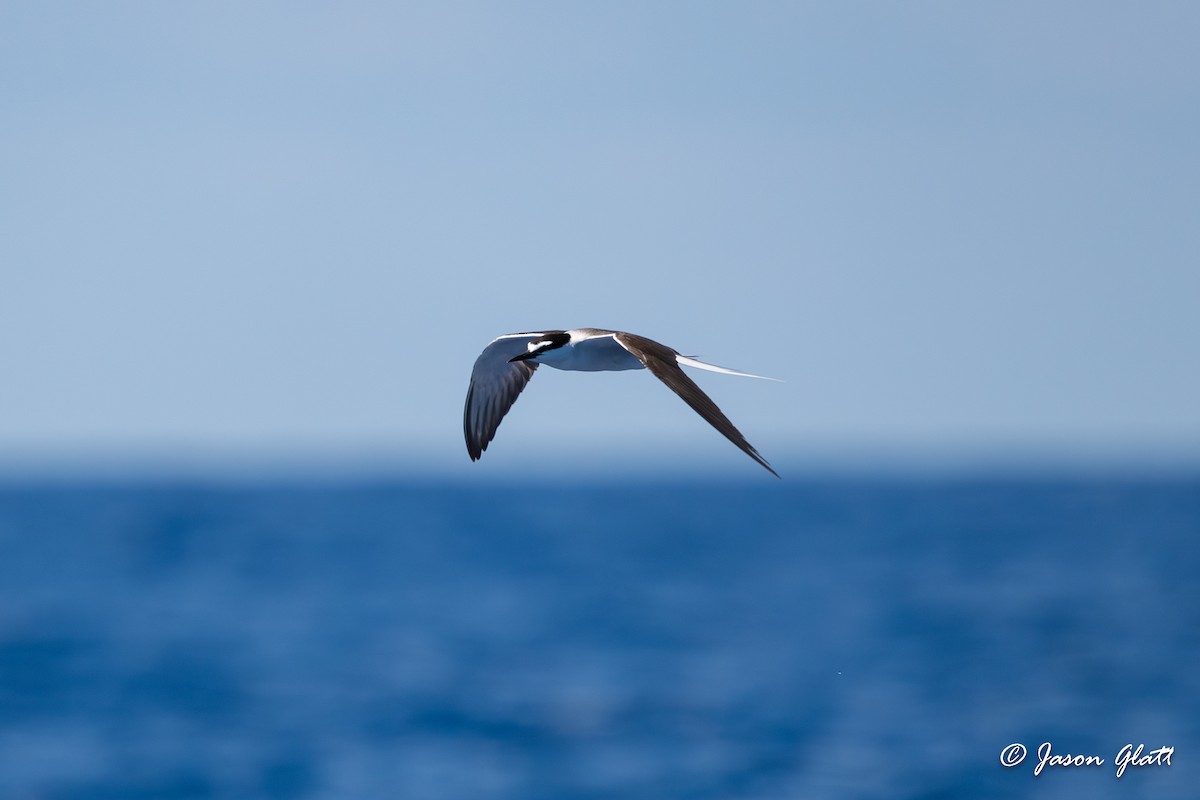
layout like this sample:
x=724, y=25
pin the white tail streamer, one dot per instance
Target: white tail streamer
x=691, y=362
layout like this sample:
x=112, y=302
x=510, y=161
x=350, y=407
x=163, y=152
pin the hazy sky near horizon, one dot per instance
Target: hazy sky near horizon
x=263, y=227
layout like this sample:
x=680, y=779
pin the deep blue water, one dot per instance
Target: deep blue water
x=796, y=639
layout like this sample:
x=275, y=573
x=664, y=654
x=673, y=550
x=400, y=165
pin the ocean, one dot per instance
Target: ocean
x=807, y=638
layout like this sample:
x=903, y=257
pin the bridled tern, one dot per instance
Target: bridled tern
x=507, y=364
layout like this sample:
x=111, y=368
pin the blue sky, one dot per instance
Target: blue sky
x=276, y=228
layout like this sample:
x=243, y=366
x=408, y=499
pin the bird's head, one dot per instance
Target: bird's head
x=536, y=347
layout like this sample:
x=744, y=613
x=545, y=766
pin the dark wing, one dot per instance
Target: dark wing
x=495, y=386
x=660, y=360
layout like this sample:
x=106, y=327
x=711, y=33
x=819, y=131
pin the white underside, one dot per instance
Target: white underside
x=605, y=354
x=598, y=354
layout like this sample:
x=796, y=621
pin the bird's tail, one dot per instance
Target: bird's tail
x=688, y=361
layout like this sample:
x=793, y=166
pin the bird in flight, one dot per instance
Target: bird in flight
x=507, y=364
